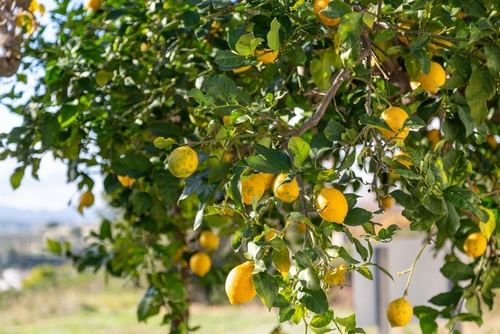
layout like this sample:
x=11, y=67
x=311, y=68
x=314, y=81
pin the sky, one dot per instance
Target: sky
x=50, y=193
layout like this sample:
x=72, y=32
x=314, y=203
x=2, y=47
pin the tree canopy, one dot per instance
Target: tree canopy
x=405, y=91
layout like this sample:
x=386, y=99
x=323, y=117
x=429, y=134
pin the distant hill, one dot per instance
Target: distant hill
x=14, y=220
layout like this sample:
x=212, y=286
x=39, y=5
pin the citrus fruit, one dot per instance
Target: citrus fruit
x=336, y=276
x=395, y=118
x=475, y=244
x=403, y=38
x=490, y=139
x=270, y=235
x=433, y=47
x=268, y=179
x=177, y=257
x=239, y=284
x=267, y=56
x=182, y=162
x=331, y=205
x=434, y=80
x=281, y=260
x=319, y=5
x=302, y=227
x=399, y=312
x=387, y=202
x=403, y=161
x=95, y=5
x=209, y=241
x=434, y=137
x=226, y=120
x=86, y=200
x=252, y=186
x=200, y=263
x=242, y=69
x=287, y=192
x=126, y=180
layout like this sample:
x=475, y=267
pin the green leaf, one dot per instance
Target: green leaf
x=266, y=287
x=412, y=65
x=457, y=165
x=407, y=174
x=472, y=8
x=309, y=279
x=351, y=24
x=492, y=54
x=428, y=325
x=146, y=306
x=423, y=60
x=365, y=272
x=321, y=68
x=273, y=37
x=477, y=33
x=349, y=322
x=141, y=203
x=221, y=87
x=420, y=41
x=279, y=159
x=286, y=314
x=457, y=271
x=105, y=230
x=403, y=199
x=295, y=54
x=414, y=122
x=463, y=199
x=313, y=300
x=299, y=314
x=335, y=9
x=260, y=164
x=133, y=165
x=464, y=317
x=384, y=35
x=362, y=251
x=374, y=122
x=247, y=44
x=460, y=70
x=17, y=177
x=357, y=216
x=54, y=246
x=167, y=186
x=423, y=219
x=488, y=279
x=300, y=149
x=50, y=131
x=480, y=89
x=162, y=143
x=344, y=254
x=466, y=119
x=334, y=130
x=473, y=305
x=220, y=3
x=322, y=320
x=382, y=269
x=218, y=172
x=449, y=224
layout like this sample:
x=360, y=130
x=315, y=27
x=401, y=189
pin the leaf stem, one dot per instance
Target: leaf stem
x=412, y=269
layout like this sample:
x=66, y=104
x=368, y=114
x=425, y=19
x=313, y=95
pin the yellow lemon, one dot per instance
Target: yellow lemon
x=200, y=263
x=332, y=205
x=269, y=236
x=182, y=162
x=177, y=257
x=252, y=186
x=126, y=180
x=396, y=156
x=95, y=5
x=267, y=56
x=399, y=312
x=319, y=5
x=490, y=139
x=395, y=118
x=475, y=244
x=403, y=38
x=268, y=179
x=387, y=202
x=302, y=227
x=242, y=69
x=86, y=200
x=433, y=47
x=209, y=241
x=434, y=80
x=226, y=120
x=287, y=192
x=434, y=137
x=239, y=284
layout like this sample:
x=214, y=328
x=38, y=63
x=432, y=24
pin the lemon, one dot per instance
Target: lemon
x=434, y=137
x=86, y=200
x=319, y=5
x=302, y=227
x=126, y=180
x=434, y=80
x=403, y=38
x=182, y=162
x=336, y=276
x=270, y=235
x=399, y=312
x=490, y=139
x=267, y=56
x=403, y=161
x=395, y=118
x=177, y=257
x=387, y=202
x=200, y=263
x=433, y=47
x=281, y=260
x=287, y=192
x=239, y=284
x=331, y=205
x=252, y=186
x=475, y=244
x=268, y=179
x=209, y=241
x=95, y=5
x=242, y=69
x=226, y=120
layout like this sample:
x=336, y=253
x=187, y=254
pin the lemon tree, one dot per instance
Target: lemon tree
x=271, y=124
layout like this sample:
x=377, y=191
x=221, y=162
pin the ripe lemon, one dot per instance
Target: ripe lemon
x=387, y=202
x=182, y=162
x=269, y=236
x=200, y=263
x=490, y=139
x=434, y=80
x=177, y=257
x=242, y=69
x=434, y=137
x=287, y=192
x=319, y=5
x=403, y=38
x=239, y=284
x=252, y=186
x=404, y=162
x=226, y=120
x=86, y=200
x=336, y=276
x=268, y=179
x=126, y=180
x=94, y=4
x=267, y=56
x=395, y=118
x=433, y=47
x=281, y=260
x=399, y=312
x=475, y=244
x=302, y=227
x=331, y=205
x=209, y=241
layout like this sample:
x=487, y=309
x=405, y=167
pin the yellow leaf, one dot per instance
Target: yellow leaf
x=488, y=227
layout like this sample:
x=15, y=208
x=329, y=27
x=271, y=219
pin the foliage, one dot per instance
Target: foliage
x=126, y=85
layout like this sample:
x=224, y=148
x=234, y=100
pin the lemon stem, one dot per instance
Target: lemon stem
x=427, y=241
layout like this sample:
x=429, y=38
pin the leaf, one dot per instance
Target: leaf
x=295, y=54
x=300, y=149
x=365, y=272
x=54, y=246
x=414, y=122
x=360, y=249
x=335, y=9
x=450, y=298
x=221, y=87
x=420, y=41
x=480, y=89
x=220, y=3
x=218, y=172
x=247, y=44
x=464, y=317
x=198, y=219
x=423, y=219
x=278, y=158
x=382, y=269
x=463, y=199
x=162, y=143
x=50, y=131
x=473, y=305
x=322, y=320
x=146, y=307
x=334, y=130
x=466, y=119
x=374, y=122
x=492, y=54
x=476, y=33
x=357, y=216
x=321, y=68
x=141, y=203
x=344, y=254
x=133, y=165
x=273, y=37
x=349, y=322
x=266, y=287
x=309, y=279
x=488, y=227
x=286, y=314
x=472, y=8
x=449, y=224
x=313, y=300
x=489, y=279
x=299, y=314
x=17, y=177
x=260, y=164
x=457, y=271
